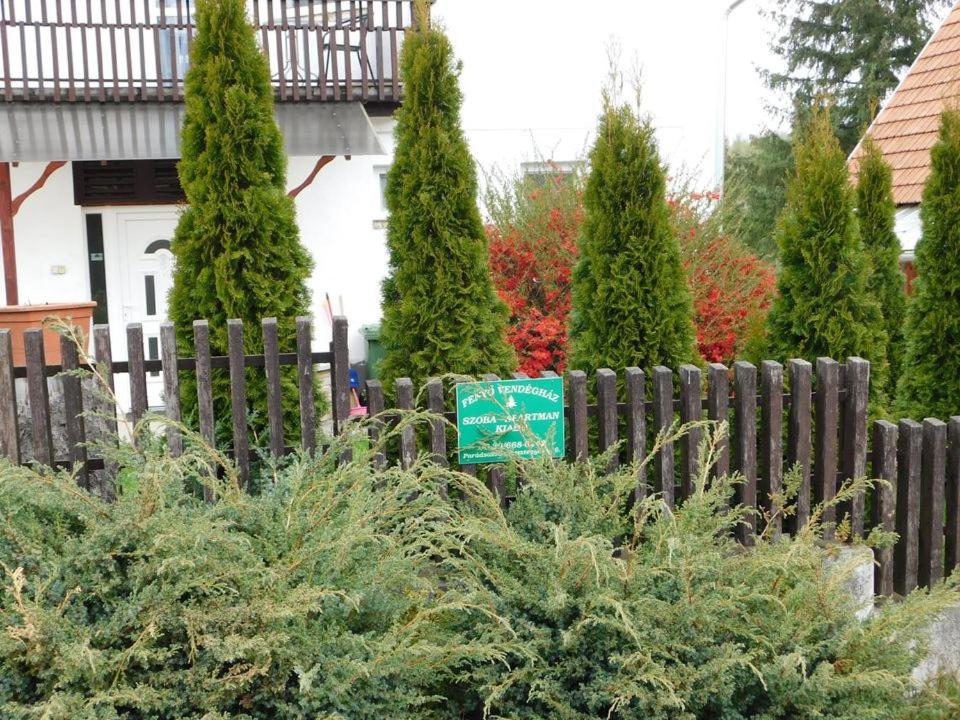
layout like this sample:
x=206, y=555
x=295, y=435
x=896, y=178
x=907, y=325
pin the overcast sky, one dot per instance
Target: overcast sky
x=533, y=71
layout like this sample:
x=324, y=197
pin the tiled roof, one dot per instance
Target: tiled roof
x=907, y=126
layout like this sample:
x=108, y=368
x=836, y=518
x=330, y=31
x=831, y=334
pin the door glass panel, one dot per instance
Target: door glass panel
x=153, y=352
x=150, y=288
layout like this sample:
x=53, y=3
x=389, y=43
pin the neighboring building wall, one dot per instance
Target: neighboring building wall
x=908, y=227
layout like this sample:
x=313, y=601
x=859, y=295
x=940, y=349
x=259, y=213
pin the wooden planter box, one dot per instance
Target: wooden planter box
x=18, y=318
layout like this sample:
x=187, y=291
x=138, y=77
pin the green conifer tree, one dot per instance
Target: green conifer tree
x=876, y=212
x=824, y=307
x=441, y=312
x=631, y=304
x=929, y=385
x=237, y=247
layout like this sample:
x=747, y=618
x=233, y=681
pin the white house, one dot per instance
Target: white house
x=91, y=98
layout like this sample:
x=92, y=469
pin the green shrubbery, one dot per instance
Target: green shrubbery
x=355, y=594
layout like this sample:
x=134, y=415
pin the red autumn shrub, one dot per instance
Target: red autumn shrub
x=533, y=247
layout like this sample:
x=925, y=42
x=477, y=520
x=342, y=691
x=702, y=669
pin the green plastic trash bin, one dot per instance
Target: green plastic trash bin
x=371, y=334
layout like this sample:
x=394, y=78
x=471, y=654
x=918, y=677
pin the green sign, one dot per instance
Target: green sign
x=510, y=419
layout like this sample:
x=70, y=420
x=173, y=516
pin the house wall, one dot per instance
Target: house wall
x=908, y=227
x=339, y=215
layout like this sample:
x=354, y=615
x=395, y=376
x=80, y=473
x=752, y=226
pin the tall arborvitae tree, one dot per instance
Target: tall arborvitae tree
x=441, y=313
x=823, y=307
x=876, y=212
x=237, y=249
x=929, y=385
x=631, y=304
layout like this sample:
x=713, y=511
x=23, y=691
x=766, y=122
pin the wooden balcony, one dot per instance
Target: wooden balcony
x=74, y=51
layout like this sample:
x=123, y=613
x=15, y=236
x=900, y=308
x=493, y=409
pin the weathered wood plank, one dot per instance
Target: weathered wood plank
x=308, y=410
x=690, y=411
x=38, y=396
x=907, y=551
x=341, y=374
x=408, y=446
x=932, y=477
x=73, y=409
x=827, y=424
x=9, y=422
x=607, y=410
x=718, y=410
x=884, y=500
x=495, y=478
x=238, y=401
x=376, y=406
x=855, y=436
x=664, y=470
x=137, y=373
x=952, y=497
x=770, y=482
x=201, y=349
x=171, y=387
x=577, y=388
x=438, y=429
x=271, y=356
x=107, y=405
x=745, y=452
x=800, y=437
x=637, y=427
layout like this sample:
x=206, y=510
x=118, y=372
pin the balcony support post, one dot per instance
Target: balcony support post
x=321, y=164
x=6, y=236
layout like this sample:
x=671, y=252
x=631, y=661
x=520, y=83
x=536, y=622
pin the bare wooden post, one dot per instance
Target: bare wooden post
x=885, y=499
x=375, y=406
x=73, y=409
x=771, y=442
x=438, y=431
x=137, y=373
x=662, y=420
x=498, y=485
x=799, y=439
x=108, y=408
x=637, y=427
x=690, y=411
x=907, y=552
x=607, y=412
x=308, y=424
x=341, y=375
x=238, y=400
x=408, y=447
x=718, y=410
x=745, y=422
x=827, y=411
x=271, y=364
x=855, y=436
x=171, y=387
x=9, y=423
x=933, y=473
x=201, y=346
x=38, y=395
x=577, y=381
x=952, y=497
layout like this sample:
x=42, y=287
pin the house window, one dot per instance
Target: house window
x=126, y=182
x=381, y=173
x=540, y=173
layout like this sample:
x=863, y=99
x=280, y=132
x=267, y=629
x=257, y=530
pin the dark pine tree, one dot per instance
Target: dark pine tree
x=876, y=212
x=631, y=304
x=441, y=312
x=237, y=247
x=929, y=385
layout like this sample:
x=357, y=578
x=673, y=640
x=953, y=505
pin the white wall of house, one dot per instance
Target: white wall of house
x=908, y=227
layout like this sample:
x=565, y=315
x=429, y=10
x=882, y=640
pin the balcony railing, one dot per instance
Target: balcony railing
x=138, y=50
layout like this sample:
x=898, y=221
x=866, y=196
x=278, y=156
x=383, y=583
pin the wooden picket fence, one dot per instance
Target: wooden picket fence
x=813, y=418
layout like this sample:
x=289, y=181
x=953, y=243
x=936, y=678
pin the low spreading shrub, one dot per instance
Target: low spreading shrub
x=345, y=592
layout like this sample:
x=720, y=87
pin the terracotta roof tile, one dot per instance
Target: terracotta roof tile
x=907, y=126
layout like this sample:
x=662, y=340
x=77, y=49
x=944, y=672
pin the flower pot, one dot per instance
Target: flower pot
x=17, y=318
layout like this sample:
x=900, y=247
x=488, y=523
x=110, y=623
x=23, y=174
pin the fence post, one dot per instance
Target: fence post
x=662, y=420
x=690, y=411
x=9, y=422
x=104, y=355
x=438, y=431
x=408, y=447
x=827, y=423
x=855, y=436
x=238, y=400
x=73, y=408
x=799, y=445
x=906, y=553
x=884, y=499
x=577, y=384
x=171, y=387
x=308, y=428
x=341, y=374
x=637, y=427
x=138, y=376
x=718, y=410
x=952, y=497
x=745, y=420
x=771, y=442
x=498, y=484
x=933, y=473
x=271, y=367
x=38, y=395
x=201, y=347
x=375, y=406
x=607, y=413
